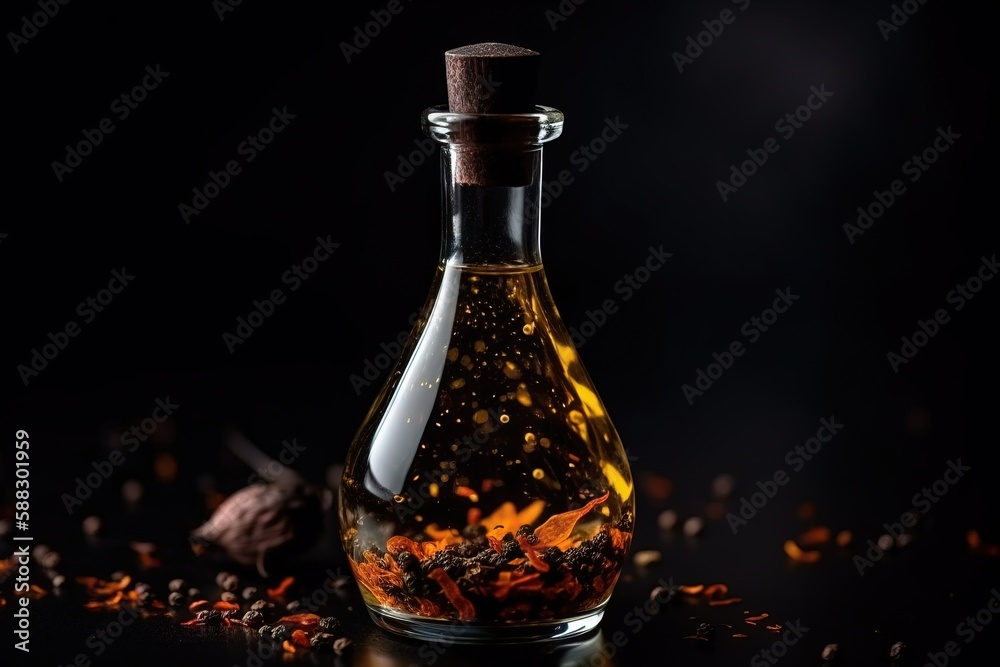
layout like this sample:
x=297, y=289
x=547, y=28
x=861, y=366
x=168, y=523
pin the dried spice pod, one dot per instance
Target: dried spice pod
x=262, y=524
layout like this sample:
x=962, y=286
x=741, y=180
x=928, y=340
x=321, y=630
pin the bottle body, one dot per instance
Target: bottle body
x=487, y=494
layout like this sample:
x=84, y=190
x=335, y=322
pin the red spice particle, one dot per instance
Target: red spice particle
x=398, y=544
x=192, y=622
x=289, y=648
x=720, y=589
x=739, y=636
x=692, y=590
x=198, y=605
x=973, y=540
x=281, y=588
x=473, y=516
x=773, y=628
x=815, y=536
x=301, y=621
x=725, y=602
x=752, y=620
x=464, y=608
x=301, y=638
x=225, y=606
x=531, y=555
x=797, y=554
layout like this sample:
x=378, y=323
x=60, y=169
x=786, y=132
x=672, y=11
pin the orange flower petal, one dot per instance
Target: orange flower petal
x=559, y=526
x=466, y=611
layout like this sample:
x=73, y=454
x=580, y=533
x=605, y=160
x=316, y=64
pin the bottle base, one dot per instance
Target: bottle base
x=460, y=632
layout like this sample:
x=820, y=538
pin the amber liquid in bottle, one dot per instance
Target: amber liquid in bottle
x=514, y=442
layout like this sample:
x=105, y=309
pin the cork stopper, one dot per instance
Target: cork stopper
x=491, y=78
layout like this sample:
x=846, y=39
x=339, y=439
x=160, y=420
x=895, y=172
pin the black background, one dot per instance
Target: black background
x=655, y=185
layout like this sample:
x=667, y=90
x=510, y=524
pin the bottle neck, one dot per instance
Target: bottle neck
x=496, y=224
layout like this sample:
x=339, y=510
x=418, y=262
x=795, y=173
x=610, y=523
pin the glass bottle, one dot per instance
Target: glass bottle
x=486, y=495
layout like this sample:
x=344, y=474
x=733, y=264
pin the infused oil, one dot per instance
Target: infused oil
x=486, y=495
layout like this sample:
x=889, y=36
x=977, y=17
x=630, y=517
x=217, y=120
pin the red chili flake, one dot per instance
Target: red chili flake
x=815, y=536
x=699, y=637
x=797, y=554
x=773, y=628
x=428, y=608
x=973, y=540
x=505, y=583
x=397, y=544
x=495, y=544
x=289, y=648
x=721, y=589
x=466, y=492
x=301, y=638
x=531, y=555
x=725, y=602
x=473, y=516
x=281, y=588
x=198, y=605
x=752, y=620
x=225, y=606
x=692, y=590
x=464, y=608
x=192, y=622
x=559, y=526
x=739, y=635
x=301, y=621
